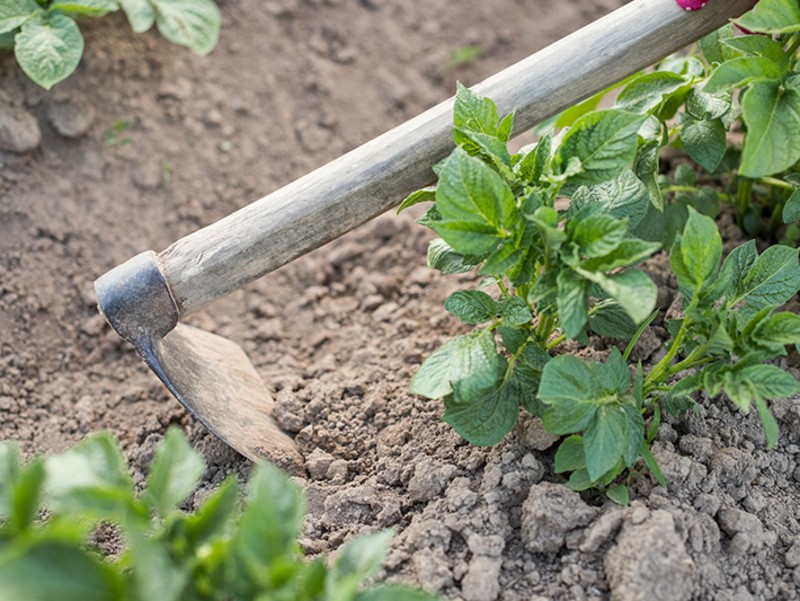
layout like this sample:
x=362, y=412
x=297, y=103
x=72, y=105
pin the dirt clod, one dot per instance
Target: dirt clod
x=649, y=562
x=549, y=514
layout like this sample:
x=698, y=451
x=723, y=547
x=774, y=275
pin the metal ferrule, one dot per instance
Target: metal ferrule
x=136, y=300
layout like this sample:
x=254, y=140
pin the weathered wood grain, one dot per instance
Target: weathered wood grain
x=375, y=177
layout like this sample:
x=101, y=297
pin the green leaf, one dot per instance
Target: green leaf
x=422, y=195
x=741, y=71
x=648, y=90
x=191, y=23
x=705, y=141
x=513, y=338
x=358, y=559
x=48, y=49
x=571, y=301
x=488, y=147
x=44, y=570
x=772, y=16
x=772, y=115
x=652, y=464
x=619, y=494
x=573, y=389
x=473, y=112
x=759, y=45
x=791, y=210
x=597, y=235
x=484, y=420
x=14, y=13
x=624, y=197
x=569, y=116
x=271, y=522
x=604, y=142
x=645, y=166
x=24, y=496
x=736, y=266
x=569, y=456
x=174, y=473
x=772, y=280
x=630, y=251
x=769, y=381
x=470, y=357
x=612, y=321
x=696, y=254
x=505, y=127
x=471, y=306
x=527, y=372
x=7, y=40
x=515, y=311
x=771, y=430
x=140, y=13
x=156, y=576
x=602, y=439
x=88, y=8
x=475, y=203
x=702, y=105
x=90, y=477
x=501, y=260
x=780, y=328
x=215, y=514
x=534, y=165
x=443, y=258
x=634, y=291
x=619, y=376
x=713, y=46
x=579, y=480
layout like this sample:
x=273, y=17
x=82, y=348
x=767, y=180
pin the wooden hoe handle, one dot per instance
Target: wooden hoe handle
x=371, y=179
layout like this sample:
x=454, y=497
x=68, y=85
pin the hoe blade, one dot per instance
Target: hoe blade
x=213, y=378
x=210, y=375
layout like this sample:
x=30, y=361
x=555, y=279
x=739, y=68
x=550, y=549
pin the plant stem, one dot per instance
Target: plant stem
x=556, y=341
x=743, y=194
x=691, y=189
x=545, y=327
x=695, y=359
x=775, y=183
x=793, y=46
x=503, y=288
x=660, y=371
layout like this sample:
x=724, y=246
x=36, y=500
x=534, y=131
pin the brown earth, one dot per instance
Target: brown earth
x=146, y=143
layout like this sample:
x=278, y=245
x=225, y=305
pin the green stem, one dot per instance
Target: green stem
x=503, y=288
x=775, y=183
x=695, y=359
x=556, y=341
x=545, y=327
x=793, y=46
x=743, y=194
x=692, y=189
x=660, y=371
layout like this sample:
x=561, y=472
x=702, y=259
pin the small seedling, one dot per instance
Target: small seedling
x=232, y=548
x=115, y=136
x=464, y=57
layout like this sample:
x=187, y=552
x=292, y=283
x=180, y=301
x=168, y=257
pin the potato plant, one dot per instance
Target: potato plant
x=551, y=274
x=47, y=41
x=228, y=549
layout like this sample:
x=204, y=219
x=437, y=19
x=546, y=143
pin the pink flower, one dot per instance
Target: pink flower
x=691, y=4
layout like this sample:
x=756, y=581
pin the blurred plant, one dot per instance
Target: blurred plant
x=48, y=44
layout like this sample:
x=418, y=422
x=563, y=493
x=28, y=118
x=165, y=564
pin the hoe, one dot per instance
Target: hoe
x=145, y=298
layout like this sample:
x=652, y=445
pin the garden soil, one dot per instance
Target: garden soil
x=146, y=143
